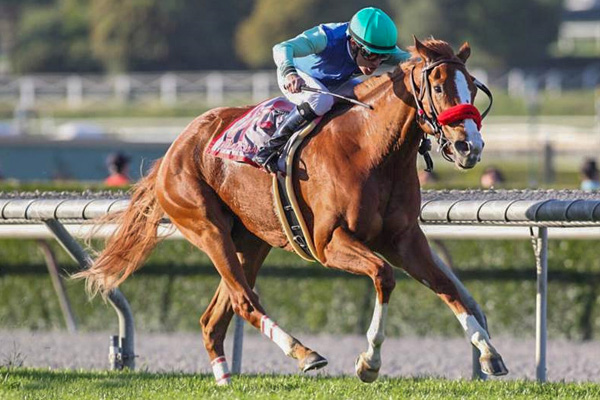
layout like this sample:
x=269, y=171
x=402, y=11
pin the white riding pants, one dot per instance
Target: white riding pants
x=320, y=103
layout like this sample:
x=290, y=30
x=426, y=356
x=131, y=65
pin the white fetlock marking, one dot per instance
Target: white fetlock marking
x=376, y=334
x=221, y=371
x=271, y=330
x=476, y=333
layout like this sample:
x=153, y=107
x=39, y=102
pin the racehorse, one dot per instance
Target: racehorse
x=356, y=182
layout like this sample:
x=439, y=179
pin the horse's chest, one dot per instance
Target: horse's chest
x=364, y=213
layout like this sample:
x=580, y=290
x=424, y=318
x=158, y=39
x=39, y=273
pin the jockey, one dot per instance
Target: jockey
x=328, y=57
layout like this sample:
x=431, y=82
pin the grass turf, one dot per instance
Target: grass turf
x=21, y=383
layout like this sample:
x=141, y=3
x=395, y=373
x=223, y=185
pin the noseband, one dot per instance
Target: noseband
x=437, y=120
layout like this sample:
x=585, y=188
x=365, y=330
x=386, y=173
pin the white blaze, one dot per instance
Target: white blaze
x=464, y=94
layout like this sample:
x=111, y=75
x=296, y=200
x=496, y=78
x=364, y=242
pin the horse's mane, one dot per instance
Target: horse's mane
x=435, y=45
x=443, y=49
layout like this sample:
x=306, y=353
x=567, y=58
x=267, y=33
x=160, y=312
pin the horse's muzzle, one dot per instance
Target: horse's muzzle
x=466, y=153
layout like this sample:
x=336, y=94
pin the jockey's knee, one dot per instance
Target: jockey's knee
x=321, y=104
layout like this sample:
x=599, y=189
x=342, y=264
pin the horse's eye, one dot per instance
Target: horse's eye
x=438, y=89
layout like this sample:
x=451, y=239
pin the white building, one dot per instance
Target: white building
x=580, y=26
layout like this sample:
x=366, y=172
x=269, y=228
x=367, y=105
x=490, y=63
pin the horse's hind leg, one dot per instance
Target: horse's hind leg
x=216, y=318
x=412, y=252
x=205, y=222
x=346, y=253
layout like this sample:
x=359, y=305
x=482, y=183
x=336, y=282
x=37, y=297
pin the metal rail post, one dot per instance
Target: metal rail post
x=126, y=358
x=238, y=342
x=59, y=287
x=540, y=248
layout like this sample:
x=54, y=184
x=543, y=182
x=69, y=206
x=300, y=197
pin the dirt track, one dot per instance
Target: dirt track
x=451, y=358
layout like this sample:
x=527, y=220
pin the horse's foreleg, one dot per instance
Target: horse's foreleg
x=412, y=252
x=345, y=252
x=474, y=324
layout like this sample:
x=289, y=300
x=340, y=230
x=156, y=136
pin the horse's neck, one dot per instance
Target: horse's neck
x=389, y=128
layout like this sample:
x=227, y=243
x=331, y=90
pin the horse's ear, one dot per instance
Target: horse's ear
x=464, y=52
x=426, y=53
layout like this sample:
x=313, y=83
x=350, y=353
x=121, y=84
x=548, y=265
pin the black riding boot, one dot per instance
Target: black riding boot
x=298, y=118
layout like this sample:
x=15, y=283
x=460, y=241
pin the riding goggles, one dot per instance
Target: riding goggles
x=370, y=56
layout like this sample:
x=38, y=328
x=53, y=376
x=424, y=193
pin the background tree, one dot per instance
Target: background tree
x=273, y=21
x=53, y=37
x=133, y=35
x=158, y=35
x=127, y=34
x=201, y=33
x=502, y=33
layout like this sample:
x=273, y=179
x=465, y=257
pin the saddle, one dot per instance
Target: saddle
x=241, y=140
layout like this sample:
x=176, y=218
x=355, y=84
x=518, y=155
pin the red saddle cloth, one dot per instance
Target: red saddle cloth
x=241, y=140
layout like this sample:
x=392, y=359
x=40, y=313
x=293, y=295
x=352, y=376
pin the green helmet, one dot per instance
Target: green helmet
x=374, y=30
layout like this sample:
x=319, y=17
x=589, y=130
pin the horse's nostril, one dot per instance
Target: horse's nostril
x=462, y=147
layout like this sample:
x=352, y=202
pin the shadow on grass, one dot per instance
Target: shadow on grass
x=518, y=273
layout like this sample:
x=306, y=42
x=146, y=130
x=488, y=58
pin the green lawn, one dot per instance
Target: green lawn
x=172, y=291
x=17, y=383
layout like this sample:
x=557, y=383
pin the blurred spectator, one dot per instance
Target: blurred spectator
x=427, y=177
x=589, y=175
x=117, y=164
x=491, y=177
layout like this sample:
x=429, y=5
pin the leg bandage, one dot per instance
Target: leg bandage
x=270, y=329
x=221, y=370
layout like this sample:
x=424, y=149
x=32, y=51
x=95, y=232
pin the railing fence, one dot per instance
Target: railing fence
x=537, y=211
x=220, y=87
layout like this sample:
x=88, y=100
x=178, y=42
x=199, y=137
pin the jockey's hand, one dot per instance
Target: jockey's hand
x=293, y=83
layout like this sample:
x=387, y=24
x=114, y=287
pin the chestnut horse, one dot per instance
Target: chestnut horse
x=356, y=182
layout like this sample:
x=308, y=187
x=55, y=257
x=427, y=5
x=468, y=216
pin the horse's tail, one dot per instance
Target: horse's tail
x=130, y=244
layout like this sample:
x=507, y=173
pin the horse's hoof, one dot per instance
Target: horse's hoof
x=364, y=372
x=493, y=365
x=312, y=361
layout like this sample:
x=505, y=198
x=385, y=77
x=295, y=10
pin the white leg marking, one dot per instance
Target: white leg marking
x=376, y=334
x=464, y=94
x=271, y=330
x=476, y=333
x=221, y=371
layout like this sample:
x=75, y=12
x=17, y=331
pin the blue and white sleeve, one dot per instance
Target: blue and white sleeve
x=312, y=41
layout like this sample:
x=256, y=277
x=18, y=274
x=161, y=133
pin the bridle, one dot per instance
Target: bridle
x=437, y=120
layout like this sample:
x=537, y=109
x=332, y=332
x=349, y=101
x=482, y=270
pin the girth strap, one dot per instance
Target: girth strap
x=287, y=207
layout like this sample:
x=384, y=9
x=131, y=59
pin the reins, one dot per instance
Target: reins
x=436, y=120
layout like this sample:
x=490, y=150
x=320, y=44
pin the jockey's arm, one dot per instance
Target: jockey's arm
x=312, y=41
